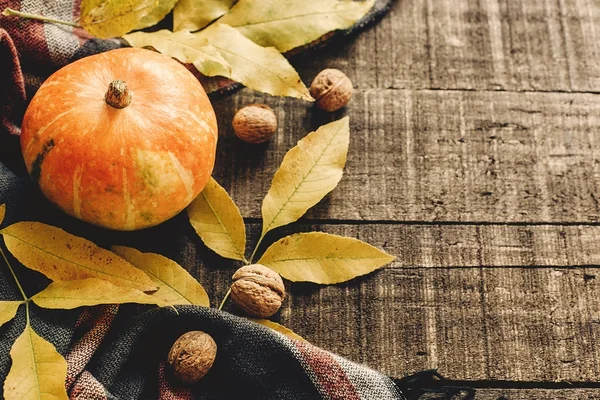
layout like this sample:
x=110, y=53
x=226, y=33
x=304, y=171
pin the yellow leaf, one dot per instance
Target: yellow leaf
x=38, y=371
x=63, y=257
x=90, y=292
x=287, y=24
x=157, y=14
x=2, y=212
x=8, y=309
x=192, y=15
x=279, y=328
x=260, y=68
x=175, y=285
x=307, y=173
x=112, y=18
x=218, y=222
x=185, y=47
x=322, y=258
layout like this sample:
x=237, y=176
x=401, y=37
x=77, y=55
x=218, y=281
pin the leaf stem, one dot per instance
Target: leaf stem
x=224, y=299
x=256, y=248
x=14, y=276
x=10, y=12
x=27, y=311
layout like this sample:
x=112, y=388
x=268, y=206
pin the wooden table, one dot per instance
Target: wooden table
x=474, y=158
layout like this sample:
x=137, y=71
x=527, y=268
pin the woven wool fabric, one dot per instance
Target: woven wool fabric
x=117, y=352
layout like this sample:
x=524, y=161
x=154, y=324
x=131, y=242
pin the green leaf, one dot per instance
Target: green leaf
x=287, y=24
x=8, y=310
x=260, y=68
x=62, y=256
x=218, y=222
x=38, y=371
x=307, y=173
x=157, y=14
x=193, y=15
x=90, y=292
x=175, y=285
x=279, y=328
x=185, y=47
x=322, y=258
x=112, y=18
x=2, y=212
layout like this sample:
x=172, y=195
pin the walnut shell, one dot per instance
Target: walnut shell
x=191, y=356
x=255, y=123
x=257, y=290
x=331, y=89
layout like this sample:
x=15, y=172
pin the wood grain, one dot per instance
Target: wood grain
x=537, y=394
x=489, y=302
x=437, y=156
x=508, y=45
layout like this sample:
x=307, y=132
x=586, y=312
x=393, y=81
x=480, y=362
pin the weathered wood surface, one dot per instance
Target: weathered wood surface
x=512, y=45
x=438, y=155
x=525, y=394
x=477, y=302
x=536, y=394
x=473, y=159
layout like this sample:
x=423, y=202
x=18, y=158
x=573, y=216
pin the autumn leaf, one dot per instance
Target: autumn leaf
x=175, y=285
x=2, y=212
x=192, y=15
x=112, y=18
x=287, y=24
x=260, y=68
x=8, y=310
x=62, y=256
x=322, y=258
x=186, y=47
x=38, y=371
x=279, y=328
x=157, y=14
x=218, y=222
x=307, y=173
x=90, y=292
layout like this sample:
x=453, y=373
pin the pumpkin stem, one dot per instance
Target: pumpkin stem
x=117, y=94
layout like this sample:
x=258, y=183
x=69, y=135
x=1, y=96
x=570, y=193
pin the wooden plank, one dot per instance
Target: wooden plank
x=448, y=302
x=512, y=45
x=537, y=394
x=437, y=155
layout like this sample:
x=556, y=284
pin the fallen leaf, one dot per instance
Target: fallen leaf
x=218, y=222
x=185, y=47
x=279, y=328
x=2, y=212
x=260, y=68
x=287, y=24
x=192, y=15
x=90, y=292
x=8, y=310
x=322, y=258
x=38, y=371
x=157, y=14
x=62, y=256
x=111, y=18
x=307, y=173
x=175, y=285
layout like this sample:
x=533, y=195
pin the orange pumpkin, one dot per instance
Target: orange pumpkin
x=124, y=139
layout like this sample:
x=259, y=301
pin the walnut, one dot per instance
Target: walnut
x=255, y=123
x=191, y=356
x=331, y=89
x=257, y=290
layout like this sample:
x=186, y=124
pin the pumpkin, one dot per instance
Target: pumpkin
x=124, y=139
